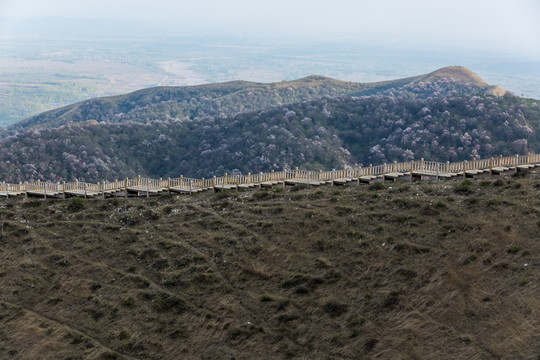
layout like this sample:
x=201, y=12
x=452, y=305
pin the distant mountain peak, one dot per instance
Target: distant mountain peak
x=459, y=74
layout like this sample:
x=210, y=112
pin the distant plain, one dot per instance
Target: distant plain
x=39, y=74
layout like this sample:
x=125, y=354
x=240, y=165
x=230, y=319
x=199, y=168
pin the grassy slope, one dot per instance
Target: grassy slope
x=399, y=271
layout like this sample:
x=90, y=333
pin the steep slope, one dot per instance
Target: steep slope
x=320, y=134
x=361, y=272
x=229, y=99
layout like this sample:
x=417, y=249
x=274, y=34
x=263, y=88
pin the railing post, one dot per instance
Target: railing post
x=411, y=173
x=516, y=161
x=260, y=180
x=296, y=172
x=126, y=188
x=64, y=190
x=437, y=177
x=190, y=188
x=284, y=178
x=169, y=186
x=422, y=164
x=103, y=189
x=272, y=176
x=464, y=166
x=147, y=188
x=309, y=178
x=491, y=166
x=7, y=190
x=226, y=181
x=333, y=176
x=26, y=190
x=44, y=191
x=214, y=184
x=447, y=170
x=370, y=169
x=84, y=186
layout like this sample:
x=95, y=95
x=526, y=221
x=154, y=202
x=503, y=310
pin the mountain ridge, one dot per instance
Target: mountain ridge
x=234, y=97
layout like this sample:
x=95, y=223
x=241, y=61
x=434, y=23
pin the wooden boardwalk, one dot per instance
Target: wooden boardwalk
x=146, y=187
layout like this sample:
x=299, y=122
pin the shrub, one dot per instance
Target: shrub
x=262, y=195
x=514, y=249
x=266, y=298
x=76, y=204
x=109, y=356
x=222, y=194
x=334, y=308
x=440, y=204
x=463, y=187
x=377, y=186
x=299, y=187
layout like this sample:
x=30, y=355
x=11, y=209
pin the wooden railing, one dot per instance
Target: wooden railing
x=184, y=184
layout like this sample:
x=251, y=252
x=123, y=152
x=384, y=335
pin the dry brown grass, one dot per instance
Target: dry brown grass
x=412, y=271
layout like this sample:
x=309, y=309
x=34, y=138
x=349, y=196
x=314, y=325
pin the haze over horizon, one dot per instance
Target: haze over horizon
x=500, y=26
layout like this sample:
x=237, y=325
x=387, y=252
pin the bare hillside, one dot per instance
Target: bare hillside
x=412, y=271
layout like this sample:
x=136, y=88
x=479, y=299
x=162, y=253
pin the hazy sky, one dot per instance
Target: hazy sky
x=504, y=24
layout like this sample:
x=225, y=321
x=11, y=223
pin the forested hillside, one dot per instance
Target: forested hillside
x=325, y=133
x=229, y=99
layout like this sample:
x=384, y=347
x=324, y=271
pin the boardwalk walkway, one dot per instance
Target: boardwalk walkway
x=407, y=171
